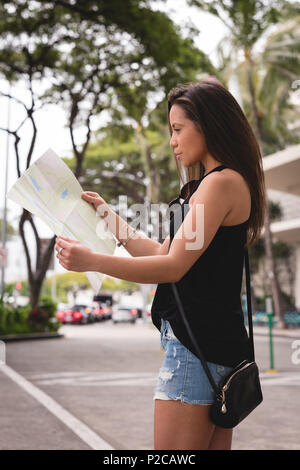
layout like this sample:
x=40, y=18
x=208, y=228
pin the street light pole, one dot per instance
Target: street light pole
x=5, y=191
x=269, y=311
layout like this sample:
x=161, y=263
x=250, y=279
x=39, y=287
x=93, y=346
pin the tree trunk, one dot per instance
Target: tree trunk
x=276, y=292
x=253, y=300
x=272, y=275
x=35, y=290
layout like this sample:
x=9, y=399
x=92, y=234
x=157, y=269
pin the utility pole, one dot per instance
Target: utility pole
x=5, y=191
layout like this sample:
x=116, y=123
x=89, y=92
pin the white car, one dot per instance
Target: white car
x=123, y=313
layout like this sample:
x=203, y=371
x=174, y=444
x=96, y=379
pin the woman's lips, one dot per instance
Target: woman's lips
x=178, y=155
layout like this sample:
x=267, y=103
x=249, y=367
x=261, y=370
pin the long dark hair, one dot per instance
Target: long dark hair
x=229, y=139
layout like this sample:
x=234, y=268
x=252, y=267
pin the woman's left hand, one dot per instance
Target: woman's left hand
x=75, y=256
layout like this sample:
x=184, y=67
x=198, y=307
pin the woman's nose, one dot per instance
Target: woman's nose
x=172, y=142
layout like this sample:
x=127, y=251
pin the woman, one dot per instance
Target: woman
x=213, y=145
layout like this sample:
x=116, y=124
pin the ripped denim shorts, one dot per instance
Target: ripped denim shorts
x=182, y=376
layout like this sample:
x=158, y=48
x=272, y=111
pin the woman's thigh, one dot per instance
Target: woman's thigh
x=181, y=426
x=181, y=376
x=183, y=396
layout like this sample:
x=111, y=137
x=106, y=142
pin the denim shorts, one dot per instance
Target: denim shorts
x=182, y=376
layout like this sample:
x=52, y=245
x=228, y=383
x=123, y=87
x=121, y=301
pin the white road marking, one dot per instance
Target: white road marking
x=86, y=434
x=96, y=379
x=105, y=375
x=132, y=379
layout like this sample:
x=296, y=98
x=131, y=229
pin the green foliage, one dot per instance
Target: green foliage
x=289, y=302
x=42, y=318
x=256, y=254
x=122, y=285
x=10, y=231
x=73, y=282
x=97, y=56
x=247, y=19
x=13, y=320
x=65, y=282
x=274, y=69
x=262, y=51
x=22, y=320
x=47, y=304
x=275, y=211
x=113, y=167
x=10, y=287
x=281, y=250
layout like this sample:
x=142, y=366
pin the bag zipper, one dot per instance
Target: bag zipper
x=224, y=388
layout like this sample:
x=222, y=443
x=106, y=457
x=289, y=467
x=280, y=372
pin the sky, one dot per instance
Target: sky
x=51, y=121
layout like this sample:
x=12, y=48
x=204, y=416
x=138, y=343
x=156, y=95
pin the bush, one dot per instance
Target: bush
x=13, y=320
x=20, y=320
x=42, y=318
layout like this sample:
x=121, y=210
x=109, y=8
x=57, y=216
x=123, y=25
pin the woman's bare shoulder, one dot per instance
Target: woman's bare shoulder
x=237, y=193
x=241, y=197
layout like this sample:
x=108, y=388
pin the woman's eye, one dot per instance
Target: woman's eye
x=177, y=130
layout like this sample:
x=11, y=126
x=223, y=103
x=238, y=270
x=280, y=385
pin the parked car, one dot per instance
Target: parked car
x=133, y=301
x=123, y=313
x=77, y=314
x=101, y=311
x=105, y=303
x=90, y=309
x=60, y=313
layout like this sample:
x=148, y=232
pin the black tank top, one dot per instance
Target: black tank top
x=210, y=293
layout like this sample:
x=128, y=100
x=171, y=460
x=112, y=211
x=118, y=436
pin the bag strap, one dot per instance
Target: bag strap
x=250, y=324
x=203, y=361
x=249, y=308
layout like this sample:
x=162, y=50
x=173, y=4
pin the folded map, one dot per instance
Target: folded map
x=49, y=190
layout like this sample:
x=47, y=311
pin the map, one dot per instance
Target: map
x=49, y=190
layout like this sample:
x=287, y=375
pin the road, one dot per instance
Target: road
x=94, y=389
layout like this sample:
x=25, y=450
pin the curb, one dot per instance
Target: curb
x=30, y=336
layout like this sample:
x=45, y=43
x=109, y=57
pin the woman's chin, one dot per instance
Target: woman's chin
x=185, y=164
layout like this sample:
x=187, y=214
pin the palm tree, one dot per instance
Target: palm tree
x=248, y=21
x=274, y=68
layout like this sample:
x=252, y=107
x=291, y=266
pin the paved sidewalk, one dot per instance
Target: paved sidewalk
x=94, y=374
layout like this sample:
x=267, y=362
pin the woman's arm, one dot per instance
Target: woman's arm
x=145, y=269
x=139, y=244
x=189, y=243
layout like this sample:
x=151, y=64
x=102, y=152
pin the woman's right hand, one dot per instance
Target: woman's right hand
x=96, y=200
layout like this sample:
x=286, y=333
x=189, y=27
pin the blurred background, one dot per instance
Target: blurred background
x=90, y=79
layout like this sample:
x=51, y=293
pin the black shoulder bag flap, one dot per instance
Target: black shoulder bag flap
x=240, y=392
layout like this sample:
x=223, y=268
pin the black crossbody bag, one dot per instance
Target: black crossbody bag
x=240, y=392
